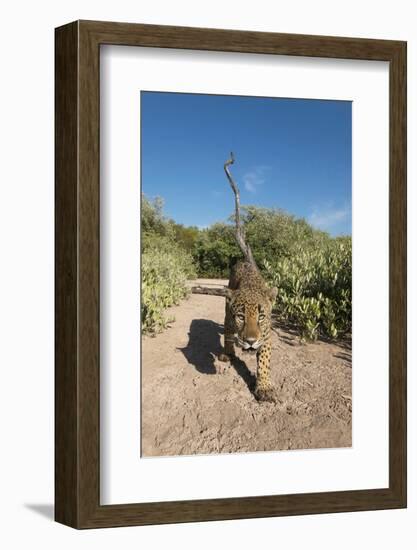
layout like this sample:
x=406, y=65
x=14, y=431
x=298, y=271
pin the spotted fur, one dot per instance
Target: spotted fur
x=248, y=322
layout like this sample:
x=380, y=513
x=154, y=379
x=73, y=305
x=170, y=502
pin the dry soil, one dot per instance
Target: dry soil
x=194, y=404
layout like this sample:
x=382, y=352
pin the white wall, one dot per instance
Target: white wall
x=26, y=289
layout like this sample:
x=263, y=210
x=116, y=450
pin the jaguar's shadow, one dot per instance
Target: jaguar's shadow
x=204, y=345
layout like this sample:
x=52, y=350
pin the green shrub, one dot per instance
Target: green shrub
x=271, y=234
x=314, y=288
x=214, y=250
x=166, y=266
x=165, y=270
x=311, y=270
x=186, y=237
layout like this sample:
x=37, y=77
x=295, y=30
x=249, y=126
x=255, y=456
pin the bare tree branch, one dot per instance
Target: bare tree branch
x=240, y=235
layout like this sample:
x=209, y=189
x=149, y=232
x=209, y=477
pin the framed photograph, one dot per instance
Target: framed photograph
x=230, y=274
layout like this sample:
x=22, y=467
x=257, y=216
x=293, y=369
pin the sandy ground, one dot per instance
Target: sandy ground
x=194, y=404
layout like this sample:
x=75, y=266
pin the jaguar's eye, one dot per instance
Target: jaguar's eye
x=240, y=317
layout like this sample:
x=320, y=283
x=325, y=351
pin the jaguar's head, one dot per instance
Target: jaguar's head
x=252, y=316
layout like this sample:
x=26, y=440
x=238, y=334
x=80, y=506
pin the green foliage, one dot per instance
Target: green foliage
x=311, y=270
x=274, y=233
x=271, y=234
x=152, y=218
x=165, y=270
x=166, y=266
x=314, y=288
x=214, y=249
x=185, y=236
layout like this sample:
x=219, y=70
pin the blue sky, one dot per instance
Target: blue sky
x=293, y=154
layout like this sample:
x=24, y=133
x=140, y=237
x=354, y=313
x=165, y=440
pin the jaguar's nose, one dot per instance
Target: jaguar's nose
x=250, y=341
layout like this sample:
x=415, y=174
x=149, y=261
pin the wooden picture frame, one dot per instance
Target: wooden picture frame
x=77, y=373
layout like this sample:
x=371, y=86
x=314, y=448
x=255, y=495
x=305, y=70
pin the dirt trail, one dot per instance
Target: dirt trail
x=194, y=404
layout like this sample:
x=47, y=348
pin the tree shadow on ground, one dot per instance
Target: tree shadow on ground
x=204, y=345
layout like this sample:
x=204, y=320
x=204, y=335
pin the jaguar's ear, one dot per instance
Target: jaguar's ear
x=272, y=294
x=228, y=293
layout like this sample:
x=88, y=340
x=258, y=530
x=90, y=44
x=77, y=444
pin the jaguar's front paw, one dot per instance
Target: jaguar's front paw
x=266, y=393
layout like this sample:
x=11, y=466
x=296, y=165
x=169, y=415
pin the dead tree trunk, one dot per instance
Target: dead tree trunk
x=208, y=290
x=239, y=234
